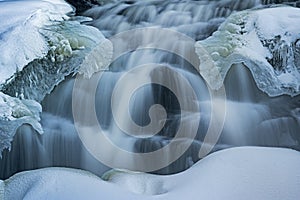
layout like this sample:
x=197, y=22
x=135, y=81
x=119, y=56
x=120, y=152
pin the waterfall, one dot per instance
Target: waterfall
x=251, y=118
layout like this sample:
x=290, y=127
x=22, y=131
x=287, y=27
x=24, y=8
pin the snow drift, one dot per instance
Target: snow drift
x=237, y=173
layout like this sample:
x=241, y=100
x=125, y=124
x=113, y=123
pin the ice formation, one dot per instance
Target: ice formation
x=20, y=40
x=14, y=113
x=45, y=42
x=265, y=40
x=237, y=173
x=40, y=45
x=1, y=189
x=73, y=48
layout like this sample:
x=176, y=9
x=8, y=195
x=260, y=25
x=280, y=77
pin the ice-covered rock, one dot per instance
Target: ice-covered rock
x=41, y=45
x=14, y=113
x=237, y=173
x=1, y=189
x=73, y=48
x=265, y=40
x=20, y=39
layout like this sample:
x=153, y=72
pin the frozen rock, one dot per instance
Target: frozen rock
x=54, y=47
x=265, y=40
x=20, y=39
x=14, y=113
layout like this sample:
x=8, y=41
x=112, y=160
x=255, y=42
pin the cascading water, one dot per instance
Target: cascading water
x=252, y=117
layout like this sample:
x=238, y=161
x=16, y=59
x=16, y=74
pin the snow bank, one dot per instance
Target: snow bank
x=60, y=183
x=265, y=40
x=14, y=113
x=241, y=173
x=136, y=182
x=237, y=173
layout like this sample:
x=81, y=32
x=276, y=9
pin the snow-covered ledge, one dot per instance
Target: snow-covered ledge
x=265, y=40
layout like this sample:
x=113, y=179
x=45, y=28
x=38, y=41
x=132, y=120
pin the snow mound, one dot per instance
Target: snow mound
x=136, y=182
x=14, y=113
x=60, y=183
x=237, y=173
x=265, y=40
x=241, y=173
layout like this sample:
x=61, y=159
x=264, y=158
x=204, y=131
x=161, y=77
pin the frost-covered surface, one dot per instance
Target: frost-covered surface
x=237, y=173
x=265, y=40
x=14, y=113
x=20, y=40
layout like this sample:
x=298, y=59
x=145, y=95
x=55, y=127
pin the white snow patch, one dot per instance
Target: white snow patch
x=61, y=183
x=136, y=182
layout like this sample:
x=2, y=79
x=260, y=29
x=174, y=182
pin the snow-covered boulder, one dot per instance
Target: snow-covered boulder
x=266, y=40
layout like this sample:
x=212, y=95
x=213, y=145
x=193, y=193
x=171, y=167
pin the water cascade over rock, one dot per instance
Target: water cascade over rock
x=260, y=110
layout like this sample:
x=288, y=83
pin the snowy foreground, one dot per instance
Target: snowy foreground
x=237, y=173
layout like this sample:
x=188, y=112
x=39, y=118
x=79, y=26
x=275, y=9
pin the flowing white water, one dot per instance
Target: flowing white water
x=252, y=118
